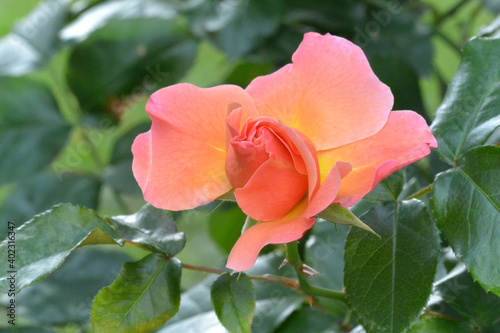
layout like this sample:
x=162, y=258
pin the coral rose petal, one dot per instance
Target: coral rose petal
x=307, y=151
x=247, y=248
x=405, y=139
x=329, y=93
x=329, y=189
x=272, y=192
x=180, y=163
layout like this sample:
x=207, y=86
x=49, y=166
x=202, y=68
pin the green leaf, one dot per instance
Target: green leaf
x=398, y=36
x=401, y=77
x=245, y=72
x=341, y=215
x=33, y=41
x=237, y=27
x=274, y=303
x=44, y=242
x=388, y=280
x=45, y=190
x=469, y=116
x=129, y=58
x=88, y=268
x=228, y=196
x=332, y=16
x=233, y=299
x=119, y=173
x=324, y=252
x=492, y=30
x=30, y=122
x=469, y=299
x=429, y=324
x=102, y=14
x=310, y=320
x=466, y=203
x=28, y=329
x=492, y=5
x=389, y=189
x=225, y=224
x=144, y=296
x=153, y=228
x=194, y=223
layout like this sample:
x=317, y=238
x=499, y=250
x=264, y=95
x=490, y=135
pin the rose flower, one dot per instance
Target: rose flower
x=317, y=132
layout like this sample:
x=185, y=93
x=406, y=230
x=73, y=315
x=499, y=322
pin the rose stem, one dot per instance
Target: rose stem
x=293, y=258
x=290, y=283
x=420, y=192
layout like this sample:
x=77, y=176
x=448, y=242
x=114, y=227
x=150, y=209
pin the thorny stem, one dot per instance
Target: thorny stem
x=419, y=193
x=439, y=315
x=290, y=283
x=295, y=285
x=293, y=258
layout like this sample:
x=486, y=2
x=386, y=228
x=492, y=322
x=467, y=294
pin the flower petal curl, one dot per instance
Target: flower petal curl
x=329, y=93
x=405, y=139
x=289, y=228
x=180, y=163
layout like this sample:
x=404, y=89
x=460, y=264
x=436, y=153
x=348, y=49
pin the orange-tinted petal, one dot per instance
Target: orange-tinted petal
x=262, y=170
x=329, y=189
x=180, y=162
x=290, y=228
x=272, y=191
x=405, y=139
x=329, y=93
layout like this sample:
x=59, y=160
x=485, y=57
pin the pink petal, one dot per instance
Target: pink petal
x=291, y=227
x=247, y=248
x=329, y=189
x=272, y=184
x=271, y=192
x=180, y=163
x=405, y=139
x=329, y=93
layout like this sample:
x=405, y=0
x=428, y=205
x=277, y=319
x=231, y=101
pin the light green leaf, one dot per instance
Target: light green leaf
x=492, y=30
x=44, y=242
x=396, y=72
x=341, y=215
x=469, y=299
x=466, y=204
x=33, y=41
x=388, y=280
x=389, y=189
x=88, y=268
x=229, y=196
x=119, y=173
x=225, y=224
x=310, y=320
x=237, y=26
x=153, y=228
x=274, y=303
x=98, y=16
x=403, y=37
x=144, y=296
x=469, y=114
x=29, y=329
x=51, y=189
x=429, y=324
x=30, y=122
x=324, y=252
x=233, y=299
x=129, y=58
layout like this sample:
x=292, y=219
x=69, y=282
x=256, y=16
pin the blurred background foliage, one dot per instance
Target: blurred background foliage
x=75, y=77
